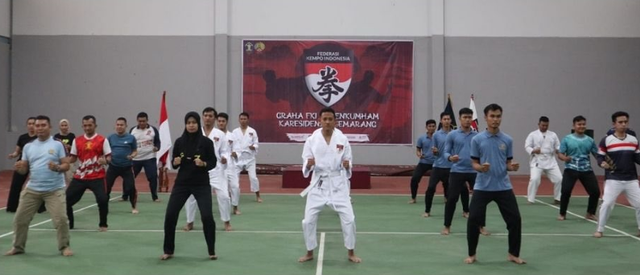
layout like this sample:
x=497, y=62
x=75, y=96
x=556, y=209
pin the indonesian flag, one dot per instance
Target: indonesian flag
x=474, y=120
x=165, y=134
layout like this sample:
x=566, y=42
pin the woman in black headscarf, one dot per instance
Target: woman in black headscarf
x=194, y=155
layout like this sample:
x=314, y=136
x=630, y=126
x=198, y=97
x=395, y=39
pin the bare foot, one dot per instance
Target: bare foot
x=134, y=211
x=307, y=257
x=556, y=202
x=445, y=199
x=484, y=232
x=121, y=199
x=515, y=259
x=13, y=251
x=465, y=215
x=165, y=257
x=445, y=231
x=354, y=259
x=591, y=217
x=529, y=202
x=236, y=212
x=259, y=199
x=352, y=256
x=157, y=200
x=411, y=201
x=188, y=227
x=227, y=226
x=598, y=234
x=213, y=257
x=562, y=218
x=102, y=229
x=66, y=252
x=470, y=259
x=426, y=215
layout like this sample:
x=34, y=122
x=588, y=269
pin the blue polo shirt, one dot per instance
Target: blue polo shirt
x=495, y=150
x=121, y=147
x=424, y=143
x=439, y=141
x=578, y=148
x=459, y=143
x=39, y=153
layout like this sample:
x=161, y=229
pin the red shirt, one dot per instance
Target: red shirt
x=88, y=151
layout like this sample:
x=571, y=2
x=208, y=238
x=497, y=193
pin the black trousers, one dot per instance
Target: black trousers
x=128, y=182
x=179, y=195
x=13, y=199
x=76, y=190
x=437, y=175
x=458, y=188
x=508, y=207
x=421, y=168
x=151, y=171
x=590, y=183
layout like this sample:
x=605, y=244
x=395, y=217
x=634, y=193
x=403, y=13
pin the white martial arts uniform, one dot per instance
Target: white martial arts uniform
x=543, y=163
x=329, y=186
x=247, y=157
x=217, y=179
x=231, y=173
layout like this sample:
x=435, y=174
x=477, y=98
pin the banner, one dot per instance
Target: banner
x=165, y=134
x=368, y=83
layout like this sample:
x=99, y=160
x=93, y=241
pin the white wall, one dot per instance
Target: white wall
x=5, y=18
x=542, y=18
x=329, y=18
x=333, y=18
x=114, y=17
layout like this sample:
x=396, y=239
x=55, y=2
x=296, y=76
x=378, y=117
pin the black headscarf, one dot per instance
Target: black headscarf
x=191, y=140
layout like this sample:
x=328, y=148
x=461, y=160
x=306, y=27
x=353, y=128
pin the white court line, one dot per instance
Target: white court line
x=46, y=221
x=320, y=255
x=583, y=196
x=335, y=232
x=595, y=222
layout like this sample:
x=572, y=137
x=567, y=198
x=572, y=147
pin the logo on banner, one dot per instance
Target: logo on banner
x=328, y=72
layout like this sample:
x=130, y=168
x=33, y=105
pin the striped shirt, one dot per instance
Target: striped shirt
x=624, y=153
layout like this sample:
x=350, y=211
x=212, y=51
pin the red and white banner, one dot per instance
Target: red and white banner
x=474, y=120
x=368, y=83
x=165, y=134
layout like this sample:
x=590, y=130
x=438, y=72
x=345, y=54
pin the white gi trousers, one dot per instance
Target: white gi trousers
x=612, y=189
x=218, y=184
x=250, y=166
x=332, y=191
x=231, y=176
x=554, y=175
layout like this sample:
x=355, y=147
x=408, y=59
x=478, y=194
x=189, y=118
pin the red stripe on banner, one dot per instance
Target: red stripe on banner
x=163, y=118
x=345, y=70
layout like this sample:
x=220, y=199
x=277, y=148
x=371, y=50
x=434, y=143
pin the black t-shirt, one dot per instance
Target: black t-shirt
x=23, y=140
x=67, y=139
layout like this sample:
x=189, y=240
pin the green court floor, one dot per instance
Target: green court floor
x=392, y=238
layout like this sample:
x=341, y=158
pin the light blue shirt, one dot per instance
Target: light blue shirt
x=39, y=153
x=578, y=148
x=439, y=141
x=424, y=143
x=459, y=143
x=496, y=150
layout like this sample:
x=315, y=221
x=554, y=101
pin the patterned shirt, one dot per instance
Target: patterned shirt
x=624, y=153
x=578, y=148
x=89, y=150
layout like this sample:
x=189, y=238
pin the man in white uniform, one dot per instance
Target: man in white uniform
x=231, y=173
x=216, y=175
x=542, y=146
x=247, y=149
x=328, y=154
